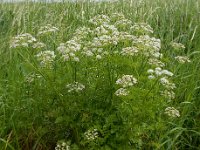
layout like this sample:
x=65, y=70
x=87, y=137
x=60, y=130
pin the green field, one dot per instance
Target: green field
x=100, y=76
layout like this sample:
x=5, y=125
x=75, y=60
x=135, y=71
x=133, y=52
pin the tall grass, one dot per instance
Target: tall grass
x=34, y=116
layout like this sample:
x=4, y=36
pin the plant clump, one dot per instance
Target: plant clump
x=102, y=76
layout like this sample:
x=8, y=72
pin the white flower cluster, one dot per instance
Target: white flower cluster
x=69, y=50
x=62, y=146
x=163, y=76
x=117, y=16
x=125, y=36
x=79, y=44
x=22, y=40
x=125, y=81
x=103, y=41
x=48, y=29
x=169, y=94
x=155, y=62
x=105, y=29
x=142, y=28
x=75, y=87
x=123, y=23
x=167, y=84
x=91, y=134
x=122, y=92
x=94, y=42
x=38, y=45
x=177, y=46
x=30, y=78
x=129, y=51
x=104, y=35
x=46, y=58
x=100, y=20
x=97, y=52
x=157, y=72
x=149, y=46
x=183, y=59
x=81, y=34
x=172, y=112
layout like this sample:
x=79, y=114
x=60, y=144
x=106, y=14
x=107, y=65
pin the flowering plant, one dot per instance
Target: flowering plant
x=98, y=82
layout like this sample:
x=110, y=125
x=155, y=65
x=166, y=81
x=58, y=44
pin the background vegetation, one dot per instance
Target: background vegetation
x=37, y=116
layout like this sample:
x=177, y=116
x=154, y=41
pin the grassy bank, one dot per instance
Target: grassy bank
x=110, y=75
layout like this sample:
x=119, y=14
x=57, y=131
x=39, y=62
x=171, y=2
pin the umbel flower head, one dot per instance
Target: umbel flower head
x=100, y=20
x=177, y=46
x=69, y=49
x=126, y=81
x=39, y=45
x=182, y=59
x=30, y=78
x=129, y=51
x=47, y=30
x=62, y=146
x=91, y=134
x=22, y=40
x=142, y=28
x=75, y=87
x=46, y=58
x=168, y=94
x=122, y=92
x=172, y=112
x=117, y=16
x=157, y=72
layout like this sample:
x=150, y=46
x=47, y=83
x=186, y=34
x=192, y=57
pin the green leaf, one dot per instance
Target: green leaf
x=59, y=120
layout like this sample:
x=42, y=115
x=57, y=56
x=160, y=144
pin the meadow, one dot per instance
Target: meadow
x=120, y=75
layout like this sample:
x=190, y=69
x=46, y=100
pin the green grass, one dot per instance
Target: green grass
x=39, y=115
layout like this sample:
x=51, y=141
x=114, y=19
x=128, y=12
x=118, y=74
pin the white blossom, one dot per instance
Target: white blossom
x=129, y=51
x=122, y=92
x=39, y=45
x=75, y=87
x=126, y=81
x=117, y=16
x=151, y=77
x=177, y=46
x=172, y=112
x=150, y=71
x=30, y=78
x=62, y=146
x=98, y=57
x=22, y=40
x=156, y=62
x=166, y=83
x=167, y=72
x=142, y=28
x=46, y=58
x=47, y=30
x=69, y=50
x=160, y=72
x=168, y=94
x=100, y=20
x=148, y=46
x=182, y=59
x=91, y=134
x=124, y=23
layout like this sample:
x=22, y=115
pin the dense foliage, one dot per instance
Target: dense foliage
x=108, y=75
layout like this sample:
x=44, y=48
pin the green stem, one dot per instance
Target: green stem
x=75, y=72
x=152, y=88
